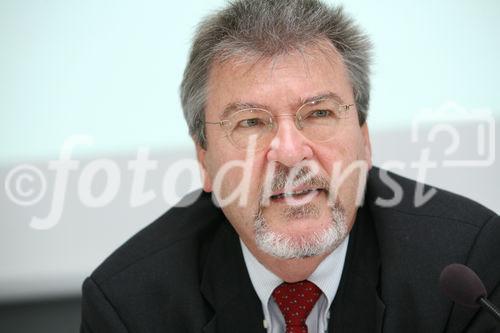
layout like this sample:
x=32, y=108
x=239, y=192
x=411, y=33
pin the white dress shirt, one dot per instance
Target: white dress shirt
x=326, y=277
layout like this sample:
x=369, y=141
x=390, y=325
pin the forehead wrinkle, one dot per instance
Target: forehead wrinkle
x=326, y=49
x=306, y=55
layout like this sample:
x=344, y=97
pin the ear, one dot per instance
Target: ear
x=367, y=144
x=201, y=155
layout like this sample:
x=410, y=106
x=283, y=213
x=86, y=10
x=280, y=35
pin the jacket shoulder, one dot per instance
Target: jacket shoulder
x=396, y=194
x=184, y=228
x=420, y=230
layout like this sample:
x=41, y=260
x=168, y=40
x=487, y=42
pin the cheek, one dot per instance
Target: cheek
x=234, y=173
x=351, y=147
x=337, y=155
x=346, y=161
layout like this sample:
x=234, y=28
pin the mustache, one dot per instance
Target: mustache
x=281, y=178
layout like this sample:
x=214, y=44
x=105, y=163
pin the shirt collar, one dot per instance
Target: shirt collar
x=326, y=276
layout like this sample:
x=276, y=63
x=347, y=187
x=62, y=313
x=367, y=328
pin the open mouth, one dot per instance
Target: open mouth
x=297, y=195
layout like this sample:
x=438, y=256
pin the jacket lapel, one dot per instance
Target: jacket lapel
x=227, y=287
x=357, y=306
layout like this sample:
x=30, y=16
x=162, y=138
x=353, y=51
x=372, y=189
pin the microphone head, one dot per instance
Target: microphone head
x=462, y=285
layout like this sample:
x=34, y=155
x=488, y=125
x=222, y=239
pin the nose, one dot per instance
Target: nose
x=289, y=147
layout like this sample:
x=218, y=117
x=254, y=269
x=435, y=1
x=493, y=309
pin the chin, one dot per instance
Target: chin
x=298, y=245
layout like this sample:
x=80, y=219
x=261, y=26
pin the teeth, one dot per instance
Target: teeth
x=290, y=194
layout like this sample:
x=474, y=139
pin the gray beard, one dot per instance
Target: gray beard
x=283, y=246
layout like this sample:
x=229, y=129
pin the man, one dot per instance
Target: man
x=276, y=95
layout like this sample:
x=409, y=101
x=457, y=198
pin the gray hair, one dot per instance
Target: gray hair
x=267, y=28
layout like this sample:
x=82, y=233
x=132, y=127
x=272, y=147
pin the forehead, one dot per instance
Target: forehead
x=283, y=81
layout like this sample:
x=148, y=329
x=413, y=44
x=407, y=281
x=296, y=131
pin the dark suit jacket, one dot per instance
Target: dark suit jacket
x=185, y=272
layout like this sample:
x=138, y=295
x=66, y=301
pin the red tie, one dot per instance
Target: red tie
x=296, y=301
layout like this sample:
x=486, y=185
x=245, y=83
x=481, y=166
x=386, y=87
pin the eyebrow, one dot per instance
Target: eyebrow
x=237, y=106
x=321, y=96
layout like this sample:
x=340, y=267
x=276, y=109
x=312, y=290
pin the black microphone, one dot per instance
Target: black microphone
x=462, y=285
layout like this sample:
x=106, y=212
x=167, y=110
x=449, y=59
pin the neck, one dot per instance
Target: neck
x=289, y=270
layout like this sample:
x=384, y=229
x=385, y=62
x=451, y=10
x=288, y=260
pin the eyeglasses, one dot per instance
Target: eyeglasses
x=317, y=120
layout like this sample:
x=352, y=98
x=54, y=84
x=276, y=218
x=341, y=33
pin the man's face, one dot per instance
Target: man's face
x=264, y=219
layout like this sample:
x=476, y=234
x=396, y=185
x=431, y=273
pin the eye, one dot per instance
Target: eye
x=320, y=114
x=251, y=122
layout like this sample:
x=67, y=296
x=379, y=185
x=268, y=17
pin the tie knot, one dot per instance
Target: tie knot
x=296, y=301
